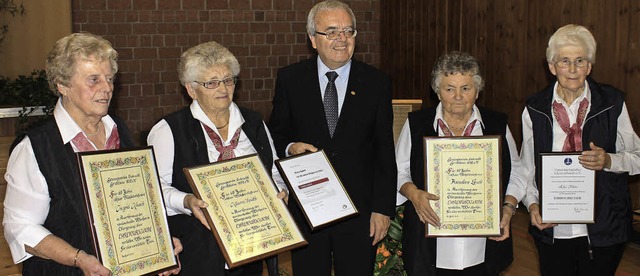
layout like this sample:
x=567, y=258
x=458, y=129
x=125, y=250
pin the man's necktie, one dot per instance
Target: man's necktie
x=331, y=102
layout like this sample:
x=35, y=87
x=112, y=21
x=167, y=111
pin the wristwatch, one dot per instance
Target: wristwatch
x=510, y=206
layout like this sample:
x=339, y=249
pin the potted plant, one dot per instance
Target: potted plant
x=389, y=252
x=27, y=98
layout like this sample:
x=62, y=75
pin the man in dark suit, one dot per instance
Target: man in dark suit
x=353, y=126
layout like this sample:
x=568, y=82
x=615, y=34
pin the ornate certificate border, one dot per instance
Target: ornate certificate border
x=245, y=215
x=465, y=173
x=126, y=211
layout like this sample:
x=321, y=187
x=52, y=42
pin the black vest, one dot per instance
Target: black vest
x=190, y=146
x=613, y=203
x=67, y=218
x=190, y=149
x=420, y=253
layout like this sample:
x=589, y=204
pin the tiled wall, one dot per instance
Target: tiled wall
x=150, y=35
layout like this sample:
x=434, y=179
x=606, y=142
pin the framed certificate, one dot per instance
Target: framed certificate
x=465, y=172
x=248, y=220
x=317, y=188
x=567, y=190
x=126, y=211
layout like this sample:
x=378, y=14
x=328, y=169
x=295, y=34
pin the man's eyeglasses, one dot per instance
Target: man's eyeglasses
x=333, y=34
x=566, y=63
x=213, y=84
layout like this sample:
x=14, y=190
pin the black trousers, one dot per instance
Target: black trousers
x=571, y=257
x=347, y=244
x=201, y=254
x=476, y=270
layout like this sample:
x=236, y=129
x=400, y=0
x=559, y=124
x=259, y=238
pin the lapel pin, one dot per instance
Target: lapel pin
x=353, y=93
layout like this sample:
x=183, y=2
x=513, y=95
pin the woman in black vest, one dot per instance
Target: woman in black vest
x=213, y=128
x=457, y=81
x=575, y=113
x=45, y=222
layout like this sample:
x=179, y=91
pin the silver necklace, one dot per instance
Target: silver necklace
x=97, y=131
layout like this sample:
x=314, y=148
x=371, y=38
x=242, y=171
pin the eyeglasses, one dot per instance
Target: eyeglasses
x=333, y=34
x=566, y=63
x=213, y=84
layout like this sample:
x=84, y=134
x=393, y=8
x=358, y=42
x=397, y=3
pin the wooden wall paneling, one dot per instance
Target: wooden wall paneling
x=454, y=25
x=432, y=21
x=632, y=73
x=533, y=64
x=619, y=56
x=413, y=46
x=632, y=68
x=515, y=97
x=510, y=39
x=604, y=30
x=391, y=39
x=421, y=55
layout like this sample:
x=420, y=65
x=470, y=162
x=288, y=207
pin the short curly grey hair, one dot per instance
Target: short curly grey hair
x=62, y=58
x=202, y=57
x=456, y=63
x=327, y=6
x=572, y=35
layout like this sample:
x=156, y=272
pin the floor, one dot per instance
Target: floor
x=525, y=257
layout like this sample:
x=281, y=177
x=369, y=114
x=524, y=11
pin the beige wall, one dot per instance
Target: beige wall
x=31, y=35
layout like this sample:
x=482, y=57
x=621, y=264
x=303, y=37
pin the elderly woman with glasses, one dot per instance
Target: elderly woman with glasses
x=457, y=81
x=45, y=222
x=575, y=113
x=213, y=128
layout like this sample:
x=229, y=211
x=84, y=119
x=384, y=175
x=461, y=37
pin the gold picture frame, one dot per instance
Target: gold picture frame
x=465, y=172
x=248, y=220
x=126, y=211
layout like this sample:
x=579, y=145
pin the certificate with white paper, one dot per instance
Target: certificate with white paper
x=317, y=188
x=568, y=189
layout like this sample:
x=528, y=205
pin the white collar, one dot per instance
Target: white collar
x=235, y=117
x=475, y=115
x=69, y=128
x=586, y=93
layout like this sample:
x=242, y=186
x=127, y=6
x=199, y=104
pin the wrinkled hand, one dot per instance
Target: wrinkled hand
x=299, y=147
x=595, y=159
x=177, y=248
x=284, y=195
x=378, y=226
x=90, y=265
x=536, y=218
x=420, y=200
x=505, y=224
x=196, y=205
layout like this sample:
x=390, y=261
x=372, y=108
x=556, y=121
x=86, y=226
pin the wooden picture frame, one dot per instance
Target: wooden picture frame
x=465, y=172
x=248, y=220
x=126, y=211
